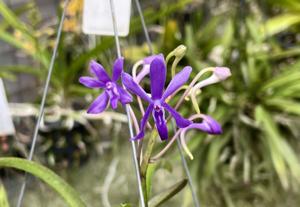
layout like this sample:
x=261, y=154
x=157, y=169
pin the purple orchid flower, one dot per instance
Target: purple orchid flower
x=112, y=91
x=157, y=104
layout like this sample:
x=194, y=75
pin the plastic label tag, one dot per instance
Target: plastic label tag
x=97, y=19
x=6, y=124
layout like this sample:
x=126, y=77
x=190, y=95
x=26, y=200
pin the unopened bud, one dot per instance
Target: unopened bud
x=180, y=51
x=219, y=74
x=222, y=72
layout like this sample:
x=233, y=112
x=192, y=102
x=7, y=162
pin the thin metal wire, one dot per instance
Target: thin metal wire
x=187, y=171
x=133, y=146
x=42, y=106
x=140, y=11
x=183, y=160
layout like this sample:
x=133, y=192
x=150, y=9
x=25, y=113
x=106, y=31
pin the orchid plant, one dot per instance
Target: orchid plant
x=158, y=100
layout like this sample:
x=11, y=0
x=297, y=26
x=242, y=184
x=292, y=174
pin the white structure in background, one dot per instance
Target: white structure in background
x=6, y=124
x=97, y=19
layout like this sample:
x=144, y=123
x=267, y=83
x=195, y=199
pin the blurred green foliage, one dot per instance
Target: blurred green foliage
x=3, y=197
x=255, y=162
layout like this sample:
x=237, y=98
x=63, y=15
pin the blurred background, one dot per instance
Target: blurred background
x=255, y=162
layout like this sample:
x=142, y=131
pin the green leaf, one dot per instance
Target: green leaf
x=27, y=33
x=214, y=153
x=3, y=197
x=10, y=39
x=35, y=52
x=21, y=69
x=152, y=167
x=228, y=35
x=7, y=75
x=292, y=90
x=286, y=105
x=125, y=205
x=280, y=23
x=286, y=53
x=283, y=157
x=252, y=25
x=293, y=5
x=282, y=79
x=167, y=194
x=71, y=197
x=13, y=20
x=272, y=141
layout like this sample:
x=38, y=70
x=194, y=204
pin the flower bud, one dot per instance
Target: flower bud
x=219, y=74
x=180, y=51
x=222, y=72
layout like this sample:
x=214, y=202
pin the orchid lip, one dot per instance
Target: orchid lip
x=157, y=105
x=109, y=85
x=115, y=91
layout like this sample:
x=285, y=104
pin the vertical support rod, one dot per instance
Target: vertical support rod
x=133, y=146
x=187, y=172
x=44, y=97
x=183, y=160
x=146, y=33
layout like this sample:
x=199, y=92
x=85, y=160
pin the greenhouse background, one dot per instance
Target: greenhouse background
x=254, y=162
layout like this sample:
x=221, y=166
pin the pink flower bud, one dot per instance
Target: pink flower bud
x=222, y=72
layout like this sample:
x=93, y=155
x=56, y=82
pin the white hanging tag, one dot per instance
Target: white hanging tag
x=97, y=19
x=6, y=124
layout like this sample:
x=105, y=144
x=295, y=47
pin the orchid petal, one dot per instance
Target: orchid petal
x=132, y=86
x=160, y=123
x=180, y=121
x=99, y=104
x=208, y=125
x=114, y=102
x=157, y=77
x=98, y=70
x=117, y=69
x=144, y=120
x=125, y=97
x=146, y=68
x=145, y=71
x=200, y=126
x=149, y=59
x=214, y=126
x=91, y=82
x=178, y=80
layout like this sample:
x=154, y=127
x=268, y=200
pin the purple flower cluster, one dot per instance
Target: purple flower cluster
x=113, y=93
x=155, y=66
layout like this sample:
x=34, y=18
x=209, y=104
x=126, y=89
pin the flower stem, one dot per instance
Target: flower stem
x=144, y=187
x=148, y=152
x=174, y=65
x=145, y=163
